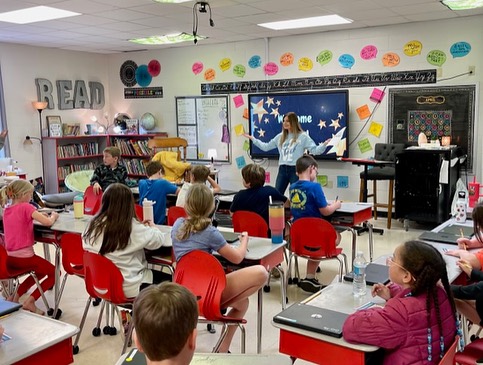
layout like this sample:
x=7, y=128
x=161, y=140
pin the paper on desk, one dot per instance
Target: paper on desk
x=443, y=172
x=453, y=161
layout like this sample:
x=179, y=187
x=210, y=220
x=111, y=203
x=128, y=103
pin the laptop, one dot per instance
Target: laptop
x=230, y=237
x=310, y=318
x=375, y=273
x=7, y=307
x=449, y=234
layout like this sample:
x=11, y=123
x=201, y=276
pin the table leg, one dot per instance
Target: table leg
x=259, y=321
x=354, y=246
x=364, y=185
x=371, y=240
x=283, y=288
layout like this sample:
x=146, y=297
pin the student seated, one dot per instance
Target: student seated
x=110, y=171
x=256, y=197
x=197, y=233
x=307, y=199
x=469, y=298
x=167, y=311
x=418, y=323
x=200, y=174
x=18, y=221
x=116, y=233
x=156, y=188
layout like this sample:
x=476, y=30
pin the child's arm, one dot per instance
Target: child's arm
x=469, y=243
x=467, y=256
x=216, y=188
x=45, y=220
x=331, y=208
x=235, y=254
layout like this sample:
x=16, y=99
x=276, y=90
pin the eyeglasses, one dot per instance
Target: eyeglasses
x=390, y=261
x=315, y=168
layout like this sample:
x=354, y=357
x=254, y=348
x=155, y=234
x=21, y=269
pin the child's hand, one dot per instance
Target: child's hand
x=463, y=243
x=246, y=135
x=54, y=215
x=455, y=253
x=149, y=223
x=97, y=188
x=465, y=266
x=381, y=290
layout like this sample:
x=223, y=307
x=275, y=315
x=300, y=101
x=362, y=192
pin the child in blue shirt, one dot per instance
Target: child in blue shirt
x=156, y=188
x=307, y=199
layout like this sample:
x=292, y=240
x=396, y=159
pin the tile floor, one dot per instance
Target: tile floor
x=107, y=349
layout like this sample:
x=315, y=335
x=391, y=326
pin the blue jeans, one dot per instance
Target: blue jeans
x=286, y=175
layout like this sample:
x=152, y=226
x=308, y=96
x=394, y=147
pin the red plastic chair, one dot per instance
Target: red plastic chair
x=449, y=356
x=204, y=276
x=139, y=212
x=314, y=239
x=92, y=201
x=471, y=353
x=104, y=280
x=254, y=224
x=174, y=213
x=10, y=278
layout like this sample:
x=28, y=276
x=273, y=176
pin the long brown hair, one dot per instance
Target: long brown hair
x=114, y=219
x=198, y=205
x=295, y=127
x=477, y=217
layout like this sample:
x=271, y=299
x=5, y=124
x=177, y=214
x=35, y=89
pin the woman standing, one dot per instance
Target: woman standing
x=291, y=143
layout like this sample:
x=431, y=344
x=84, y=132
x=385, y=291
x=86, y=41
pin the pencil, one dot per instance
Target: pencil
x=467, y=266
x=463, y=236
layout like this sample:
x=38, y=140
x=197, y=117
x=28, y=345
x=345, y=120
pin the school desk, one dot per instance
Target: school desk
x=36, y=340
x=323, y=349
x=222, y=359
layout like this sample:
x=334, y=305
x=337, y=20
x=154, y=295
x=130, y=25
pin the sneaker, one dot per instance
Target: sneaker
x=311, y=285
x=275, y=274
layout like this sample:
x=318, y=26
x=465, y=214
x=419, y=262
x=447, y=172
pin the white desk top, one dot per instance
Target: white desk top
x=337, y=296
x=233, y=359
x=31, y=333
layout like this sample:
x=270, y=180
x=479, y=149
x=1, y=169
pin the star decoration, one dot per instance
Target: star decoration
x=258, y=110
x=340, y=115
x=269, y=101
x=261, y=133
x=337, y=143
x=266, y=120
x=278, y=102
x=322, y=124
x=335, y=124
x=275, y=112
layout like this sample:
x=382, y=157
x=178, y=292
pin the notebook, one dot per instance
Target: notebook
x=449, y=234
x=308, y=317
x=375, y=273
x=230, y=237
x=134, y=357
x=7, y=307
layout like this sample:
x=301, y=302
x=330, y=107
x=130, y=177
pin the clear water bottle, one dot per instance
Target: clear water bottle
x=359, y=283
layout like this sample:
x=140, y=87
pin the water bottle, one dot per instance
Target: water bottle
x=78, y=206
x=359, y=283
x=461, y=207
x=148, y=213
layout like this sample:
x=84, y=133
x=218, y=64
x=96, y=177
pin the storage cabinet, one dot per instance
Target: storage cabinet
x=426, y=183
x=135, y=153
x=64, y=155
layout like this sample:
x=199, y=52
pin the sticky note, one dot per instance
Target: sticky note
x=239, y=130
x=238, y=101
x=267, y=177
x=343, y=182
x=240, y=162
x=364, y=145
x=246, y=145
x=375, y=129
x=363, y=112
x=377, y=95
x=322, y=179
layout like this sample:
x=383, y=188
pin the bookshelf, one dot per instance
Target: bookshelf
x=63, y=155
x=135, y=153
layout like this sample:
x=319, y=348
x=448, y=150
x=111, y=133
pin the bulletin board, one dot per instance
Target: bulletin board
x=435, y=111
x=203, y=121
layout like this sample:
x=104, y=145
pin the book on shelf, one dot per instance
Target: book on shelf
x=72, y=129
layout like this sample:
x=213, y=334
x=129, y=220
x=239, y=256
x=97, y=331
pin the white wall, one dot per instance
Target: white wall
x=21, y=65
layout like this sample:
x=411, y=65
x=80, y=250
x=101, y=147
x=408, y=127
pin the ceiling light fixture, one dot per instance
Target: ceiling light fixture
x=462, y=4
x=202, y=6
x=35, y=14
x=318, y=21
x=166, y=39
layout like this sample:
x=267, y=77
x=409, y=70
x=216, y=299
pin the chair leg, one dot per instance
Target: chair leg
x=389, y=203
x=361, y=189
x=42, y=294
x=374, y=197
x=81, y=326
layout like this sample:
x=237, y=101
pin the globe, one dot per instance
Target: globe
x=148, y=122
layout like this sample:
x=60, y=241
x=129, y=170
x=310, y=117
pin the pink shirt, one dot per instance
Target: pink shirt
x=19, y=229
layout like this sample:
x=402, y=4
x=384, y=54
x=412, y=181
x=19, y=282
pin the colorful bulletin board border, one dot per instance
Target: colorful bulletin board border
x=143, y=92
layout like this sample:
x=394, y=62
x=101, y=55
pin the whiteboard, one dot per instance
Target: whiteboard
x=203, y=121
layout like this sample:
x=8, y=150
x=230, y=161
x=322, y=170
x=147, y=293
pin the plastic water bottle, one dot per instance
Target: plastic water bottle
x=359, y=283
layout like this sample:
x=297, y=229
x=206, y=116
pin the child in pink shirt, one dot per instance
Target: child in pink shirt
x=18, y=221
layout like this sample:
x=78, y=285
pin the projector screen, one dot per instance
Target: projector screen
x=323, y=115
